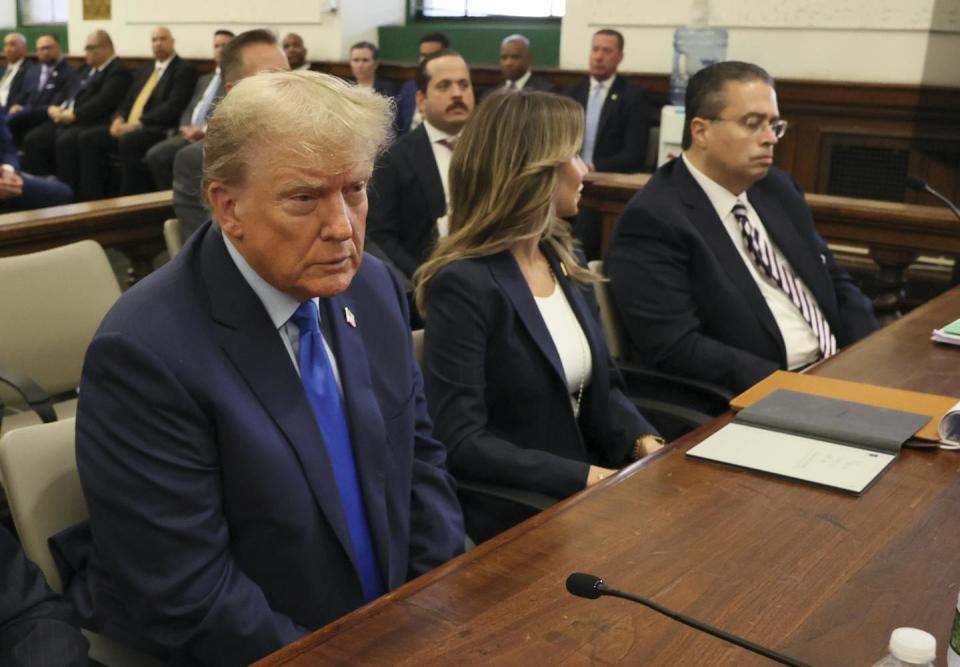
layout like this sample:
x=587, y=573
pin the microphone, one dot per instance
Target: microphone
x=591, y=587
x=915, y=183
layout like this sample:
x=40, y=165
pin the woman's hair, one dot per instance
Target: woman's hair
x=503, y=176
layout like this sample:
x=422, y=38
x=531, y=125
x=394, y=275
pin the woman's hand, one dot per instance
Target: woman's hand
x=596, y=473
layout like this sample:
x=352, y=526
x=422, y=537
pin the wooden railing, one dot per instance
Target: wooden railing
x=895, y=235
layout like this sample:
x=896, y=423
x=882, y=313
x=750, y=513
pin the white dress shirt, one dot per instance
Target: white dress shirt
x=9, y=75
x=442, y=155
x=280, y=306
x=801, y=343
x=519, y=83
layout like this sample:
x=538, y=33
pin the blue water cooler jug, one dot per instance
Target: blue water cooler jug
x=694, y=49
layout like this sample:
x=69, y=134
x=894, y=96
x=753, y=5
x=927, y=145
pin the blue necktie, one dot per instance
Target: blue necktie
x=202, y=110
x=320, y=384
x=594, y=105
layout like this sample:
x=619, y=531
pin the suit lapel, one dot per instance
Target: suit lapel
x=425, y=167
x=367, y=430
x=611, y=103
x=247, y=336
x=505, y=271
x=705, y=219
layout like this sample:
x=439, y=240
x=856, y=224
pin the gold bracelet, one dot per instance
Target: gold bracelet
x=638, y=444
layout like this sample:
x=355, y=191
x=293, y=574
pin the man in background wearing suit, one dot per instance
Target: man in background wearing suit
x=408, y=200
x=515, y=65
x=37, y=627
x=13, y=72
x=715, y=265
x=20, y=191
x=193, y=121
x=48, y=83
x=252, y=436
x=295, y=51
x=245, y=55
x=408, y=115
x=53, y=147
x=617, y=125
x=152, y=107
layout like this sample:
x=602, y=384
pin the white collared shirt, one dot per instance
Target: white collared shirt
x=442, y=155
x=607, y=85
x=280, y=306
x=9, y=75
x=798, y=338
x=521, y=82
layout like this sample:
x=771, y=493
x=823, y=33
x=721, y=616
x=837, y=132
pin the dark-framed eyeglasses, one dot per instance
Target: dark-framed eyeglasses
x=754, y=124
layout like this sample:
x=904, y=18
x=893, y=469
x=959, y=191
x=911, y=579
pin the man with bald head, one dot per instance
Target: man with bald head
x=151, y=109
x=295, y=51
x=252, y=436
x=12, y=73
x=515, y=65
x=245, y=55
x=104, y=80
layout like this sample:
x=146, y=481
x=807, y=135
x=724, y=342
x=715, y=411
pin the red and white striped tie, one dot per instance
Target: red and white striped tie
x=780, y=275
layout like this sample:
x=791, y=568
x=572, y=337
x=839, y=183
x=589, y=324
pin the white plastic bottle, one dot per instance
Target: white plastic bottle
x=910, y=647
x=953, y=645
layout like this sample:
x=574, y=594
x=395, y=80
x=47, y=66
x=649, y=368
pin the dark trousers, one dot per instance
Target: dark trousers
x=95, y=148
x=37, y=193
x=38, y=149
x=67, y=151
x=22, y=122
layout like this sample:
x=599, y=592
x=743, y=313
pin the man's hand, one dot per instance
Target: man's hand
x=191, y=133
x=119, y=128
x=16, y=108
x=54, y=112
x=11, y=185
x=65, y=118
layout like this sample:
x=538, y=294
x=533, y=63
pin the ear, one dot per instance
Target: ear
x=699, y=127
x=223, y=205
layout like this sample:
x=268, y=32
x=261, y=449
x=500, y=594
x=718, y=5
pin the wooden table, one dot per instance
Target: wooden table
x=132, y=225
x=816, y=574
x=895, y=234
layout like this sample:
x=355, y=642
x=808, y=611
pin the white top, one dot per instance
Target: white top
x=9, y=75
x=280, y=306
x=442, y=154
x=798, y=338
x=568, y=338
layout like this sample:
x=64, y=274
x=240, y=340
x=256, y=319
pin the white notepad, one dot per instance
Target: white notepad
x=839, y=466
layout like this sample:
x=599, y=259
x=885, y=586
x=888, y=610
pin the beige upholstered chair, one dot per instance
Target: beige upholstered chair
x=51, y=303
x=612, y=329
x=40, y=468
x=173, y=236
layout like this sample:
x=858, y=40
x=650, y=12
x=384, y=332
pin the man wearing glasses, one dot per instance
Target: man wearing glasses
x=715, y=266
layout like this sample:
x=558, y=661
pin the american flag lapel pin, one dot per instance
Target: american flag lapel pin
x=349, y=317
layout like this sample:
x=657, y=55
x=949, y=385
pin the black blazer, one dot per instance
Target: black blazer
x=168, y=99
x=98, y=99
x=16, y=86
x=688, y=301
x=496, y=389
x=624, y=128
x=406, y=198
x=59, y=83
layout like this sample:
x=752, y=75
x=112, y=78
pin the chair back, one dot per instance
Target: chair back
x=418, y=346
x=52, y=303
x=173, y=236
x=609, y=319
x=39, y=467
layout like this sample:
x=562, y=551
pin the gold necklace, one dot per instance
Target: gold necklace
x=580, y=340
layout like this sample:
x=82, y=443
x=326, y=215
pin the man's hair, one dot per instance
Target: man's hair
x=367, y=45
x=103, y=38
x=705, y=97
x=438, y=37
x=516, y=37
x=423, y=76
x=18, y=36
x=231, y=58
x=503, y=177
x=325, y=121
x=612, y=33
x=224, y=31
x=50, y=35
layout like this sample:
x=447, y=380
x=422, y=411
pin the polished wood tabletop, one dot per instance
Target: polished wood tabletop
x=816, y=574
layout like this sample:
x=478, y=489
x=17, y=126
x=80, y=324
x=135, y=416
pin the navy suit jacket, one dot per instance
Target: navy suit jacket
x=406, y=106
x=496, y=388
x=406, y=198
x=218, y=532
x=168, y=99
x=8, y=150
x=60, y=82
x=688, y=301
x=624, y=128
x=97, y=100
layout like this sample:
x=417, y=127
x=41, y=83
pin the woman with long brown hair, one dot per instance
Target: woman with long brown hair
x=518, y=377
